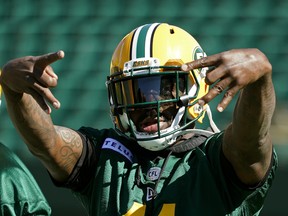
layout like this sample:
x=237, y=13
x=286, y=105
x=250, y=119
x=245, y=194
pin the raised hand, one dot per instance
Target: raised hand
x=33, y=75
x=230, y=71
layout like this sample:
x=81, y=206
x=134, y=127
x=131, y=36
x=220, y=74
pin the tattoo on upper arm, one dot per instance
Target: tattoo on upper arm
x=70, y=137
x=71, y=151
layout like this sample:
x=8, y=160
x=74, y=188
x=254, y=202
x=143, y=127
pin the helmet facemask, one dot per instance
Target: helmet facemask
x=151, y=102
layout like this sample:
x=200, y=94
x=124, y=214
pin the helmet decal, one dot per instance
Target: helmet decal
x=142, y=41
x=198, y=54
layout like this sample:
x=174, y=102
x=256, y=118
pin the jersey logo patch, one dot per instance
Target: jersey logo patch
x=153, y=173
x=150, y=193
x=114, y=145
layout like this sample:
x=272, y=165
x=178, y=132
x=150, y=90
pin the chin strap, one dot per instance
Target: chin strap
x=191, y=143
x=179, y=116
x=212, y=123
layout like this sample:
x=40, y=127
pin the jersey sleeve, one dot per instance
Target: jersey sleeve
x=19, y=191
x=84, y=169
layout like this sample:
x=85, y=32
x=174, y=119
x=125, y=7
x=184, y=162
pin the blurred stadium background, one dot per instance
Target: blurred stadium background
x=88, y=32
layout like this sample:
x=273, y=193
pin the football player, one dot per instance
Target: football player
x=156, y=160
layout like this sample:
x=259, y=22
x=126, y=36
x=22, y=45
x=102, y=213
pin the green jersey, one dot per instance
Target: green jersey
x=19, y=192
x=114, y=176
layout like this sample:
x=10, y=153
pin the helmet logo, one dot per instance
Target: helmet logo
x=140, y=63
x=198, y=54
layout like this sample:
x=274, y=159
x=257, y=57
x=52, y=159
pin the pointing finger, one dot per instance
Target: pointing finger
x=47, y=59
x=43, y=71
x=201, y=63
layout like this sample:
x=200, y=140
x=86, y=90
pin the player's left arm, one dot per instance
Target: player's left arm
x=247, y=143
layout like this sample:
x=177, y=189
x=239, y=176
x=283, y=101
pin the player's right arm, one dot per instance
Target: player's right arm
x=26, y=83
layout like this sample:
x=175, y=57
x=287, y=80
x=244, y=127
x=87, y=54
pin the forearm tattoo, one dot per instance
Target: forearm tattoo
x=37, y=127
x=34, y=124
